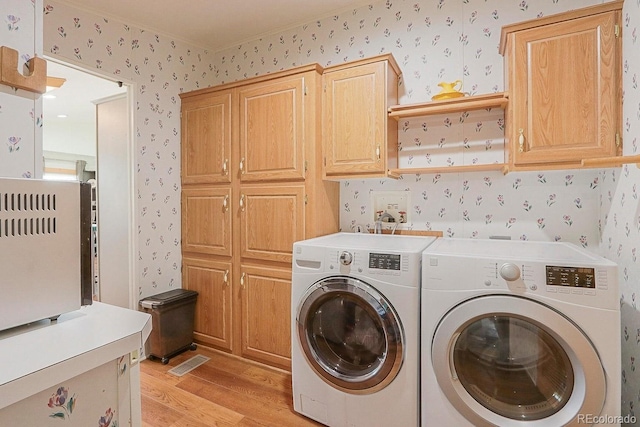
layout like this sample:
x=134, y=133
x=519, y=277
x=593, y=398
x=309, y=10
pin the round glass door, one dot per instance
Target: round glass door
x=512, y=367
x=504, y=360
x=350, y=335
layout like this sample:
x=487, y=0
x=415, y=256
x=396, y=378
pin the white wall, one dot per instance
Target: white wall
x=160, y=68
x=115, y=255
x=21, y=111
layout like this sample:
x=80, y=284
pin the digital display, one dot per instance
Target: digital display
x=384, y=261
x=576, y=277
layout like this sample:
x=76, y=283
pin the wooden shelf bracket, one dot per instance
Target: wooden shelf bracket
x=35, y=82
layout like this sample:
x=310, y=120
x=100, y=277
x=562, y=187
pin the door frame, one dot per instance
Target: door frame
x=132, y=242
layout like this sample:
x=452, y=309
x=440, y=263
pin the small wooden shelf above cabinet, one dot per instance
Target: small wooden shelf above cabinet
x=464, y=103
x=453, y=105
x=451, y=169
x=608, y=162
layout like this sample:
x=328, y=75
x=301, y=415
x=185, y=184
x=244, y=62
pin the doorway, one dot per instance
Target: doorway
x=71, y=150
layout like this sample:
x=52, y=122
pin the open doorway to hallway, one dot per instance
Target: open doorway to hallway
x=83, y=142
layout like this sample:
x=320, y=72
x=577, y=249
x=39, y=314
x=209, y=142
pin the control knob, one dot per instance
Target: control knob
x=346, y=258
x=510, y=272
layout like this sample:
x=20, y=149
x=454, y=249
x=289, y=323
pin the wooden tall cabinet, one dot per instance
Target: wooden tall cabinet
x=360, y=139
x=251, y=186
x=563, y=77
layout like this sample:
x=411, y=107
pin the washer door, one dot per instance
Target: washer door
x=350, y=334
x=506, y=361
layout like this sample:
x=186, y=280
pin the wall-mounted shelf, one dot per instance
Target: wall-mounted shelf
x=607, y=162
x=465, y=103
x=453, y=105
x=448, y=169
x=35, y=82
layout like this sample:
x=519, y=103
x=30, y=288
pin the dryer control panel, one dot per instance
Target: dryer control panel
x=571, y=276
x=581, y=284
x=552, y=270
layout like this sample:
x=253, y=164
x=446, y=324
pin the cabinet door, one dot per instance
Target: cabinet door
x=271, y=220
x=355, y=120
x=565, y=94
x=206, y=139
x=212, y=281
x=272, y=130
x=206, y=220
x=266, y=314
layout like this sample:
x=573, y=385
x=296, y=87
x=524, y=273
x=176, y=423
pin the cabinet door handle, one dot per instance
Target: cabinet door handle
x=378, y=151
x=242, y=165
x=242, y=203
x=242, y=280
x=225, y=278
x=521, y=140
x=225, y=203
x=224, y=167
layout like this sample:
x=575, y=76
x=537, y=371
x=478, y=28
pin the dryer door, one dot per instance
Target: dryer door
x=350, y=334
x=507, y=360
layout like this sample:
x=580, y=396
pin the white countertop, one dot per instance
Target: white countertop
x=43, y=354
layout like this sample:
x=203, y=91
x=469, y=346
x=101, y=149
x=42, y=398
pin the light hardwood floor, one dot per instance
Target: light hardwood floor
x=225, y=391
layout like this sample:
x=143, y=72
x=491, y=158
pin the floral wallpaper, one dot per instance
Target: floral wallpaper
x=160, y=68
x=20, y=110
x=620, y=214
x=432, y=42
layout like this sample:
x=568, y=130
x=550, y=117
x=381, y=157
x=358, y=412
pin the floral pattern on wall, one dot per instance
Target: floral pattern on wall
x=432, y=42
x=20, y=111
x=160, y=69
x=621, y=215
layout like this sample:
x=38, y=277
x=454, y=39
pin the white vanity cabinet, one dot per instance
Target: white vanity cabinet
x=82, y=370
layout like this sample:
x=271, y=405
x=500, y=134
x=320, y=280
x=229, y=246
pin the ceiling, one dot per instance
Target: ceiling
x=216, y=24
x=76, y=95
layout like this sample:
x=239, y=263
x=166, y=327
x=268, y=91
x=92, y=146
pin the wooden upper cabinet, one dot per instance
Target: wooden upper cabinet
x=206, y=220
x=206, y=139
x=271, y=220
x=563, y=74
x=272, y=129
x=359, y=137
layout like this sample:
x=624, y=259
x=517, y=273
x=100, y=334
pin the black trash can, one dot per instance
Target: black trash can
x=172, y=317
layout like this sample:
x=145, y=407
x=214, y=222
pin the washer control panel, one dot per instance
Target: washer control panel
x=372, y=262
x=384, y=261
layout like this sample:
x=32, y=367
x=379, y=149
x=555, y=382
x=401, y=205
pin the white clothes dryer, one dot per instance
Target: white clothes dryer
x=355, y=309
x=518, y=333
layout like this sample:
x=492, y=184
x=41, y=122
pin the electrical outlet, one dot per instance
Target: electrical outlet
x=390, y=206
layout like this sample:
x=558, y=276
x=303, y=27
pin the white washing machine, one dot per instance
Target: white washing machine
x=355, y=309
x=519, y=333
